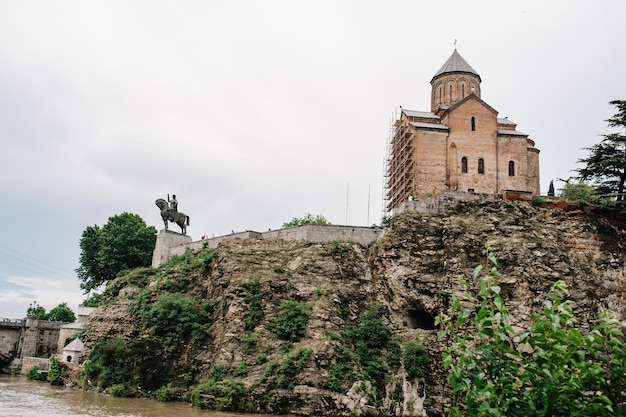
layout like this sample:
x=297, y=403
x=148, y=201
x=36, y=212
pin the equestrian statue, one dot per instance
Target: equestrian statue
x=170, y=212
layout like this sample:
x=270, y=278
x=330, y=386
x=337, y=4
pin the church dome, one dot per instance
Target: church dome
x=456, y=63
x=454, y=81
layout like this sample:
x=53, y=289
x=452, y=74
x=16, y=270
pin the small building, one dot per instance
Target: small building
x=460, y=144
x=72, y=351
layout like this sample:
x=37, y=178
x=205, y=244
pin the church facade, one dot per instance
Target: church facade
x=460, y=144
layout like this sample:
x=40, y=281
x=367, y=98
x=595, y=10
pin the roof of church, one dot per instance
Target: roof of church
x=456, y=63
x=511, y=133
x=505, y=121
x=423, y=114
x=430, y=126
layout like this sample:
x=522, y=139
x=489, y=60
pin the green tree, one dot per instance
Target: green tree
x=551, y=189
x=307, y=219
x=550, y=369
x=93, y=301
x=35, y=311
x=581, y=192
x=606, y=163
x=125, y=242
x=56, y=372
x=61, y=313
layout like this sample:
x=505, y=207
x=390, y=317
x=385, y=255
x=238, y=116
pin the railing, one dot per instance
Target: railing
x=12, y=322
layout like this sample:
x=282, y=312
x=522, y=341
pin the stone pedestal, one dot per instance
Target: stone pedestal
x=166, y=240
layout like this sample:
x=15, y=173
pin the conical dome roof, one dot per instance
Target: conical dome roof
x=456, y=63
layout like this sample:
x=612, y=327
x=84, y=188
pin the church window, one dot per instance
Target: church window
x=511, y=168
x=464, y=165
x=481, y=166
x=440, y=94
x=450, y=93
x=473, y=122
x=463, y=91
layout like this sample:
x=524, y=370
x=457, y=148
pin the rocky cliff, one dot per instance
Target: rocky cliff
x=359, y=309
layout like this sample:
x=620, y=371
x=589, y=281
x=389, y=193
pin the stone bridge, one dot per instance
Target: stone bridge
x=25, y=342
x=21, y=338
x=10, y=335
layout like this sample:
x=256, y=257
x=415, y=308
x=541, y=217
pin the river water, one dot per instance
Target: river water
x=20, y=397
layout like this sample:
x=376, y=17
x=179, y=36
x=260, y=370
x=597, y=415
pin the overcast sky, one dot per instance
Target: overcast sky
x=255, y=112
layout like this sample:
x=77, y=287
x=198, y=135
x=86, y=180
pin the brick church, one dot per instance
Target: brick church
x=460, y=144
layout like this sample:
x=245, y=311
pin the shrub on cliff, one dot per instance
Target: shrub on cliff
x=291, y=320
x=551, y=369
x=254, y=299
x=175, y=318
x=365, y=350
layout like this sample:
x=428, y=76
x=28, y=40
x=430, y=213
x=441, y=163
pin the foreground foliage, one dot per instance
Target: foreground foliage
x=552, y=369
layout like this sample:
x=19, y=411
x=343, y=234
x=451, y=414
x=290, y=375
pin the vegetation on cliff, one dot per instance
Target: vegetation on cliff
x=336, y=328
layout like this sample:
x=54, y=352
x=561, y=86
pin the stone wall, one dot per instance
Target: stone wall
x=327, y=233
x=310, y=233
x=68, y=331
x=211, y=242
x=30, y=361
x=443, y=202
x=41, y=338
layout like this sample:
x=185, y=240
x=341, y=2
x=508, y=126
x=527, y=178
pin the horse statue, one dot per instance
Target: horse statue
x=174, y=216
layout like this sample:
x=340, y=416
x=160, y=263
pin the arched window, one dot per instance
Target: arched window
x=450, y=93
x=440, y=94
x=464, y=165
x=511, y=169
x=481, y=166
x=463, y=91
x=473, y=122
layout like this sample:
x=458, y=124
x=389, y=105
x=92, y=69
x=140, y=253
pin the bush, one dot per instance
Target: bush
x=176, y=318
x=223, y=395
x=57, y=372
x=307, y=219
x=254, y=299
x=107, y=363
x=291, y=320
x=415, y=358
x=35, y=374
x=365, y=350
x=248, y=342
x=121, y=390
x=166, y=394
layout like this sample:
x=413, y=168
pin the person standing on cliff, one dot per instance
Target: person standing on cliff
x=173, y=202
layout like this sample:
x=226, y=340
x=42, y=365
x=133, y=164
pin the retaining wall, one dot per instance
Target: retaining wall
x=443, y=202
x=310, y=233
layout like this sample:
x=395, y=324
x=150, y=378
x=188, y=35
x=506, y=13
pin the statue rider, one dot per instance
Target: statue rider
x=173, y=203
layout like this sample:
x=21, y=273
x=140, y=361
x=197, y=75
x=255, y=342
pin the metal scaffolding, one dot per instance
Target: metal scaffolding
x=399, y=163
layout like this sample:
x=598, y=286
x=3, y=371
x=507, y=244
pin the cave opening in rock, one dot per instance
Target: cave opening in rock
x=420, y=319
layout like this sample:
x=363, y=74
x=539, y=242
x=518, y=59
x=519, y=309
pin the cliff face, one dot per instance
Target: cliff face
x=405, y=279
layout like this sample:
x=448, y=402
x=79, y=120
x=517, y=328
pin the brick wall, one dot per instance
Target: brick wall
x=30, y=361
